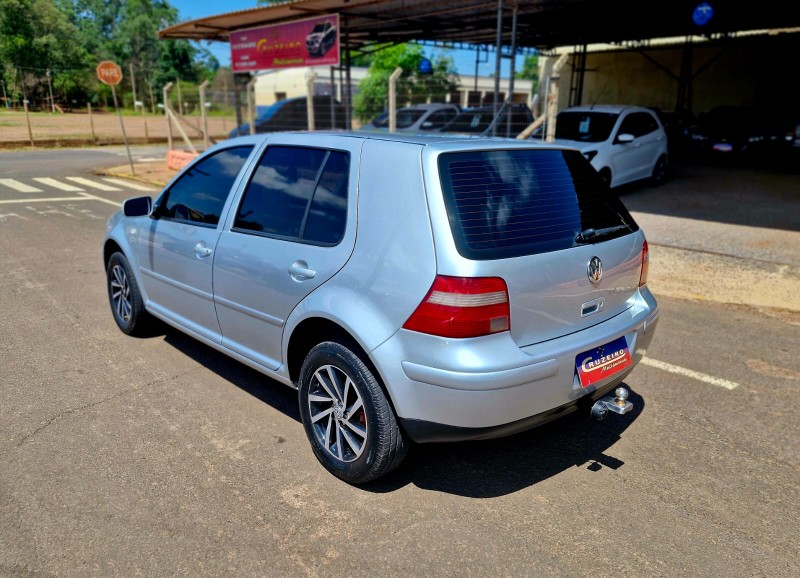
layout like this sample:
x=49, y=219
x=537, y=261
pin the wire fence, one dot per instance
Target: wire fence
x=36, y=111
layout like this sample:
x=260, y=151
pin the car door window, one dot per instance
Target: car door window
x=200, y=193
x=629, y=125
x=638, y=124
x=297, y=193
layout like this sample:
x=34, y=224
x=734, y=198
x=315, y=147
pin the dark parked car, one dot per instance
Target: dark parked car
x=478, y=121
x=321, y=38
x=292, y=114
x=732, y=130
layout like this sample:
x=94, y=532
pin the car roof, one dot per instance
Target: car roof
x=429, y=106
x=439, y=141
x=610, y=108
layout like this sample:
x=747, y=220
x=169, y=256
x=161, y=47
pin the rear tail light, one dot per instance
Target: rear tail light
x=463, y=307
x=645, y=264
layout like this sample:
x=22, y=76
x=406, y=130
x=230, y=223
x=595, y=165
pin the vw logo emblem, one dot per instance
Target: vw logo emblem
x=595, y=270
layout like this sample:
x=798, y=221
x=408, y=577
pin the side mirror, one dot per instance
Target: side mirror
x=625, y=138
x=427, y=125
x=137, y=207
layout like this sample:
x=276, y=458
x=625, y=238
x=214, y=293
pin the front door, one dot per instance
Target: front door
x=177, y=244
x=293, y=229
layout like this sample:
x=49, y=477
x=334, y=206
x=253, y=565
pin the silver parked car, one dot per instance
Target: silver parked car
x=411, y=288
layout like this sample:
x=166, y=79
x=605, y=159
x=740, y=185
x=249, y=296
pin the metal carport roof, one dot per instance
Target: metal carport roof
x=541, y=23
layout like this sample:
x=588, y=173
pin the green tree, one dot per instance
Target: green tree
x=412, y=86
x=36, y=37
x=530, y=70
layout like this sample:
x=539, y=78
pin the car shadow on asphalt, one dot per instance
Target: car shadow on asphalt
x=263, y=388
x=475, y=469
x=491, y=468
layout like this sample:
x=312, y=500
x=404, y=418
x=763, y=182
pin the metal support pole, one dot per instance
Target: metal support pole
x=166, y=113
x=333, y=98
x=349, y=101
x=122, y=126
x=552, y=97
x=251, y=104
x=50, y=88
x=310, y=99
x=180, y=98
x=497, y=62
x=202, y=90
x=28, y=120
x=512, y=70
x=91, y=122
x=393, y=98
x=133, y=86
x=237, y=94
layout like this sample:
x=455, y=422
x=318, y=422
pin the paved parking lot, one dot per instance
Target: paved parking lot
x=159, y=456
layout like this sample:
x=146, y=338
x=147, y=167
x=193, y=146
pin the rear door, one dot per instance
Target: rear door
x=292, y=229
x=517, y=214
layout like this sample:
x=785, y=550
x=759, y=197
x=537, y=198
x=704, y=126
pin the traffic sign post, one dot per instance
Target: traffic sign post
x=109, y=73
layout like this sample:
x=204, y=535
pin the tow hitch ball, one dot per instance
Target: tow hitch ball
x=618, y=404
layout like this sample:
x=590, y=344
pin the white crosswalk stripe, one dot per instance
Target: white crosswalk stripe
x=18, y=186
x=57, y=184
x=92, y=184
x=130, y=185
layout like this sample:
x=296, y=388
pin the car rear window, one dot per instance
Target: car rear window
x=523, y=202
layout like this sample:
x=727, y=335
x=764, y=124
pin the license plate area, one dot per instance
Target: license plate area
x=601, y=362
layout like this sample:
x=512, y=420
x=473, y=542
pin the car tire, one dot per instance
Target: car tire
x=659, y=172
x=605, y=176
x=124, y=296
x=347, y=417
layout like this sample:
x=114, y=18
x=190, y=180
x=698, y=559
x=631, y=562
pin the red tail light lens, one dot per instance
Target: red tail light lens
x=645, y=264
x=463, y=307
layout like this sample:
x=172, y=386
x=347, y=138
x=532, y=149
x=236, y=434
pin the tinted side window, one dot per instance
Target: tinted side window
x=297, y=193
x=199, y=195
x=512, y=203
x=327, y=215
x=629, y=126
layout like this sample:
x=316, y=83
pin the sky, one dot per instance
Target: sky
x=191, y=9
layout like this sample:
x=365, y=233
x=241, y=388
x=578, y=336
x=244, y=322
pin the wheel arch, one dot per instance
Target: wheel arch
x=315, y=330
x=109, y=248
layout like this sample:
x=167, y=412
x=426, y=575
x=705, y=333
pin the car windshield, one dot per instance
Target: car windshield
x=585, y=126
x=318, y=28
x=405, y=118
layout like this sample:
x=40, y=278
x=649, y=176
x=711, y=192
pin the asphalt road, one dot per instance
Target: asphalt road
x=159, y=456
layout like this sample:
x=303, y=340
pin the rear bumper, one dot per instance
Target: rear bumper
x=447, y=390
x=429, y=432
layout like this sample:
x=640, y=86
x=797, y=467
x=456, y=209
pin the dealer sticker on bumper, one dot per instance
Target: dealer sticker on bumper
x=602, y=362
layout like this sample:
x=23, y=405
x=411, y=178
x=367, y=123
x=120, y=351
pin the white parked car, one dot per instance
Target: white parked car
x=418, y=118
x=623, y=143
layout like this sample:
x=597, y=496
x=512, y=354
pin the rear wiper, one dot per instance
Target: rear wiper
x=589, y=234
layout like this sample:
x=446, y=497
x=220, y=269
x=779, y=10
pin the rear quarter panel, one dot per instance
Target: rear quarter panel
x=393, y=263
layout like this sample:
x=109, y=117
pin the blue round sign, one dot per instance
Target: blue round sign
x=425, y=66
x=703, y=14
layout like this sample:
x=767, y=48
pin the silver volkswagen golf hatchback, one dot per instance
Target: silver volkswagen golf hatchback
x=410, y=288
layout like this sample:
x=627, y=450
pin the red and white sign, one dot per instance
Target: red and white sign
x=310, y=42
x=109, y=73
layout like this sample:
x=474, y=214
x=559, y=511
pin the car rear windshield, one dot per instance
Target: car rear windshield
x=508, y=203
x=585, y=126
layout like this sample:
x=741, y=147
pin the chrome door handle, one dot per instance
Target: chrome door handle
x=300, y=271
x=201, y=250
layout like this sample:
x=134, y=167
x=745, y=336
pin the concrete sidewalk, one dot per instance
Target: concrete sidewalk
x=695, y=259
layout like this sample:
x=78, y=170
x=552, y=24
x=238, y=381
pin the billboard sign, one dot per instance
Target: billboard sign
x=309, y=42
